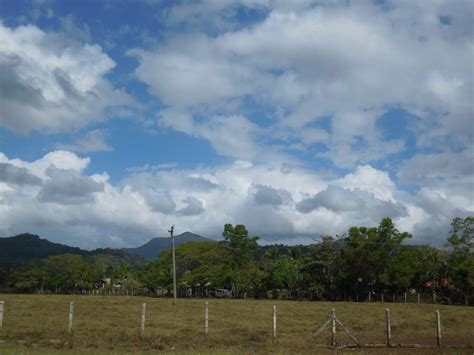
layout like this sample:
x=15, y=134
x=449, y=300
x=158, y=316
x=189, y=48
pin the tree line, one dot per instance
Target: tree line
x=363, y=260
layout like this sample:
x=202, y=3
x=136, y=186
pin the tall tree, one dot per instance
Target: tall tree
x=240, y=252
x=461, y=260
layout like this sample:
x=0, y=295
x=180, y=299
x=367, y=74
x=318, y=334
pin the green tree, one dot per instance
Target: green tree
x=322, y=269
x=367, y=255
x=461, y=259
x=199, y=266
x=462, y=236
x=70, y=272
x=250, y=280
x=240, y=249
x=30, y=278
x=158, y=274
x=295, y=252
x=428, y=266
x=283, y=273
x=401, y=269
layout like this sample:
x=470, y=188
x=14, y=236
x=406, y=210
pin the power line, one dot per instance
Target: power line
x=352, y=242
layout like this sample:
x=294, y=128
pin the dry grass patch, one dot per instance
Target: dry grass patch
x=112, y=324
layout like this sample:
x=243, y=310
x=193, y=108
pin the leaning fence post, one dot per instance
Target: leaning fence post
x=71, y=315
x=438, y=328
x=389, y=326
x=274, y=323
x=206, y=318
x=2, y=303
x=333, y=321
x=143, y=318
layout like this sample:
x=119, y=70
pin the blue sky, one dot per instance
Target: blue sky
x=296, y=118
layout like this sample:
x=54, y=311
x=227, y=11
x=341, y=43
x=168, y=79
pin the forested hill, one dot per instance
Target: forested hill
x=155, y=246
x=26, y=248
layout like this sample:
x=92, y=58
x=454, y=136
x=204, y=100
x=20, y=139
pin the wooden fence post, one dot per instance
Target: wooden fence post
x=2, y=303
x=393, y=297
x=438, y=328
x=434, y=296
x=333, y=321
x=369, y=297
x=382, y=297
x=142, y=329
x=389, y=326
x=274, y=333
x=418, y=297
x=405, y=297
x=71, y=316
x=206, y=318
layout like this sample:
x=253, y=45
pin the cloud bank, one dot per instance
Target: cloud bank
x=54, y=196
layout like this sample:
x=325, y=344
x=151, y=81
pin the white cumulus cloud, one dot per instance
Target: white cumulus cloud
x=350, y=61
x=49, y=83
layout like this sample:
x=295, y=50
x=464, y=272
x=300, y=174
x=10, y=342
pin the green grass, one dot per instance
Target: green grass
x=112, y=324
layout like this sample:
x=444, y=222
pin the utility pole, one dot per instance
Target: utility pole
x=171, y=232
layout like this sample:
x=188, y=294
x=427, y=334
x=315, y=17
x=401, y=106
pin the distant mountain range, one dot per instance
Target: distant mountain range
x=152, y=249
x=25, y=248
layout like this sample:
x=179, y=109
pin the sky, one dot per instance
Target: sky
x=120, y=118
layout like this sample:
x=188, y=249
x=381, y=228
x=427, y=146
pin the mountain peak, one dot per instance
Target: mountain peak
x=26, y=236
x=188, y=234
x=152, y=248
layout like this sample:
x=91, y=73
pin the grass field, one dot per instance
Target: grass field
x=112, y=324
